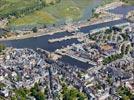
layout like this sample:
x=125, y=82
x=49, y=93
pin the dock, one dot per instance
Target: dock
x=64, y=38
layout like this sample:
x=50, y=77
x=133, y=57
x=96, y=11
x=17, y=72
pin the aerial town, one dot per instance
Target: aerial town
x=76, y=60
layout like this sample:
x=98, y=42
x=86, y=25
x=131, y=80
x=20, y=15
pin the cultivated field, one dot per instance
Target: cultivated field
x=130, y=2
x=7, y=6
x=65, y=10
x=32, y=12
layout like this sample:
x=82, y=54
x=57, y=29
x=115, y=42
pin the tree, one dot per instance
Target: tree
x=21, y=94
x=125, y=93
x=127, y=49
x=35, y=29
x=40, y=96
x=2, y=47
x=72, y=94
x=108, y=31
x=2, y=85
x=123, y=49
x=81, y=96
x=44, y=26
x=35, y=92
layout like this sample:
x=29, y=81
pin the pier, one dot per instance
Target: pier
x=65, y=38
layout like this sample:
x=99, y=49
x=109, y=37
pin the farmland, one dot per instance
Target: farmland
x=130, y=2
x=38, y=17
x=32, y=12
x=8, y=6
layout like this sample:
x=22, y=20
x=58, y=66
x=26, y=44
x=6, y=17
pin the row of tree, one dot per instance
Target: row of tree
x=111, y=58
x=2, y=47
x=25, y=11
x=124, y=51
x=125, y=93
x=24, y=94
x=72, y=94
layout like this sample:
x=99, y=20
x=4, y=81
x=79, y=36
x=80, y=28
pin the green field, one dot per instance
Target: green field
x=130, y=2
x=66, y=10
x=38, y=17
x=7, y=6
x=52, y=12
x=32, y=12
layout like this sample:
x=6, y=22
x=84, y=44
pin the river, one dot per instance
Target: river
x=42, y=42
x=122, y=10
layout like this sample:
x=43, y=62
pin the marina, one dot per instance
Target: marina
x=63, y=39
x=43, y=42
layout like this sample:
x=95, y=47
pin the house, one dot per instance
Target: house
x=130, y=85
x=4, y=92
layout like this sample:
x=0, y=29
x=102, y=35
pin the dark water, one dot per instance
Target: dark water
x=122, y=10
x=87, y=29
x=74, y=62
x=42, y=42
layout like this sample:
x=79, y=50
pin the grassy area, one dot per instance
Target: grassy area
x=65, y=10
x=7, y=6
x=20, y=7
x=125, y=93
x=104, y=2
x=71, y=93
x=54, y=11
x=38, y=17
x=130, y=2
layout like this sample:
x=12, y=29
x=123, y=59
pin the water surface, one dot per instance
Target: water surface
x=122, y=10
